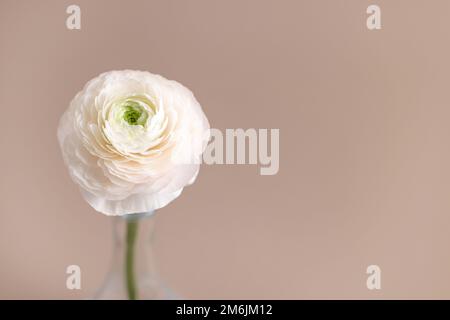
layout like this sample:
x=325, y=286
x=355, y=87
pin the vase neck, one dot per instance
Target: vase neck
x=138, y=229
x=133, y=274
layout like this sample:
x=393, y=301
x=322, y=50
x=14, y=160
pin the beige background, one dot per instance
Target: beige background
x=365, y=145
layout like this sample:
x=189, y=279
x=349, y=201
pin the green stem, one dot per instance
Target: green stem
x=129, y=267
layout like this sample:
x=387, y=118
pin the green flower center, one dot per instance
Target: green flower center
x=134, y=114
x=131, y=115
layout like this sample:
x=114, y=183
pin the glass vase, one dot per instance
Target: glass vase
x=133, y=273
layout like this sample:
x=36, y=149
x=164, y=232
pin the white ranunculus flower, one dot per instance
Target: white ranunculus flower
x=132, y=141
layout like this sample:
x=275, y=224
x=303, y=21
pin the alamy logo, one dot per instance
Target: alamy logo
x=73, y=22
x=374, y=20
x=74, y=279
x=249, y=146
x=235, y=146
x=374, y=279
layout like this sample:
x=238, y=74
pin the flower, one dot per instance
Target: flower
x=132, y=141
